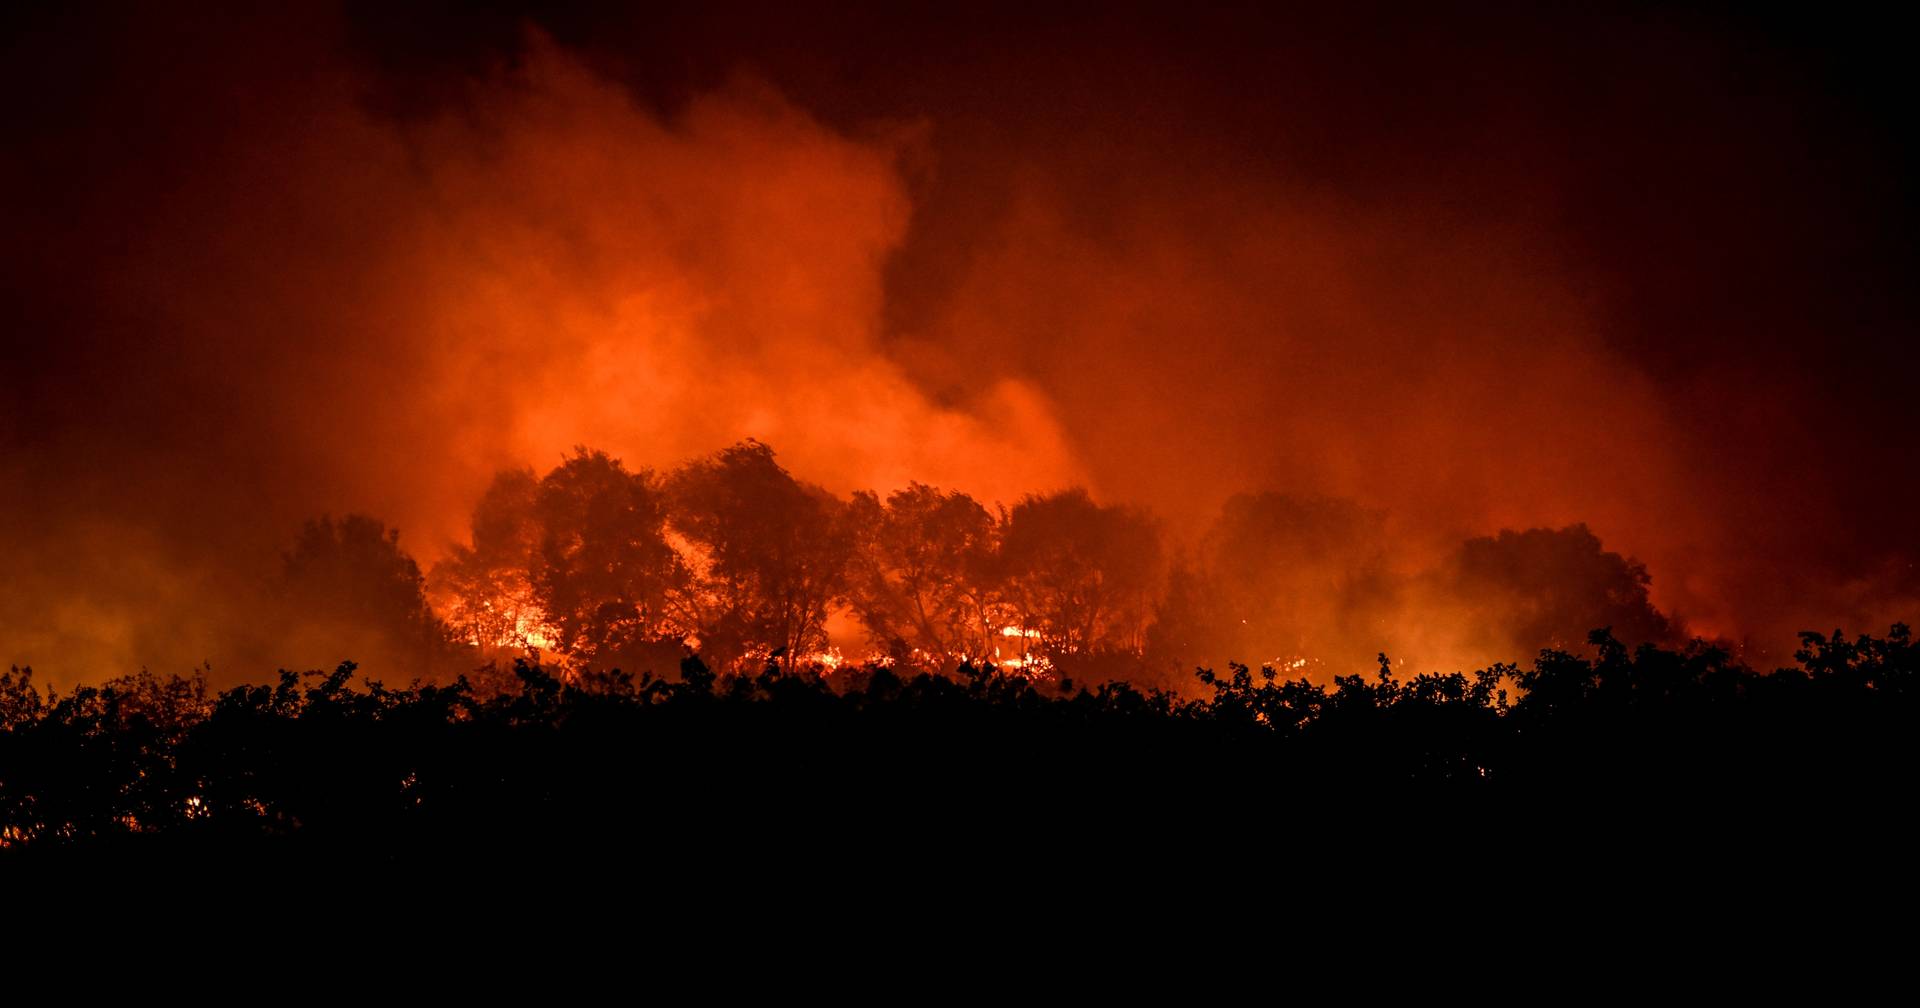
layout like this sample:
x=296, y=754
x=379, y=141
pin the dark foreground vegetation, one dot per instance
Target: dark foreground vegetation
x=975, y=764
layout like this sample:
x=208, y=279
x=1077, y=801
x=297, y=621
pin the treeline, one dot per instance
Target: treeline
x=979, y=756
x=611, y=568
x=595, y=566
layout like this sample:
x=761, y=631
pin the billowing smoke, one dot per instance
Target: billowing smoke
x=254, y=288
x=330, y=310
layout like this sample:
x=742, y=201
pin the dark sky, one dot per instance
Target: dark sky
x=1646, y=267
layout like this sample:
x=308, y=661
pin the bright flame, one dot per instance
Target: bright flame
x=507, y=623
x=831, y=658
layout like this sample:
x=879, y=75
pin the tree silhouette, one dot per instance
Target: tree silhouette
x=921, y=572
x=348, y=587
x=604, y=573
x=771, y=554
x=1084, y=575
x=1544, y=588
x=20, y=701
x=485, y=589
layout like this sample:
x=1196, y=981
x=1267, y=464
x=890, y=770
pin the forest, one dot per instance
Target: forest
x=617, y=653
x=593, y=566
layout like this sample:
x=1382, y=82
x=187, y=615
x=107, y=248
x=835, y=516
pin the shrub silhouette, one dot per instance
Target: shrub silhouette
x=803, y=755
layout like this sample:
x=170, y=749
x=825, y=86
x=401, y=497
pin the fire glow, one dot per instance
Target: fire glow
x=1334, y=348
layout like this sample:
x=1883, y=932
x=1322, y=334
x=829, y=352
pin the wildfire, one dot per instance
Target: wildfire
x=503, y=615
x=1027, y=659
x=506, y=624
x=533, y=629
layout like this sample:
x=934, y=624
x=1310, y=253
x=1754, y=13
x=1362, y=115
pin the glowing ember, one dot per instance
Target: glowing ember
x=505, y=623
x=831, y=658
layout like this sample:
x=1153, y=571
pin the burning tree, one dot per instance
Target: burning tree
x=485, y=589
x=767, y=553
x=1082, y=574
x=605, y=572
x=922, y=575
x=576, y=561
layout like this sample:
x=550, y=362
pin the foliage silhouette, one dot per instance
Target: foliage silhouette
x=592, y=566
x=772, y=554
x=1083, y=573
x=605, y=573
x=348, y=585
x=922, y=578
x=809, y=755
x=646, y=669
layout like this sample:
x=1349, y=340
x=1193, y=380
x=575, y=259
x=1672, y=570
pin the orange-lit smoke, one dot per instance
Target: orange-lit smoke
x=362, y=313
x=310, y=305
x=1432, y=370
x=560, y=267
x=591, y=274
